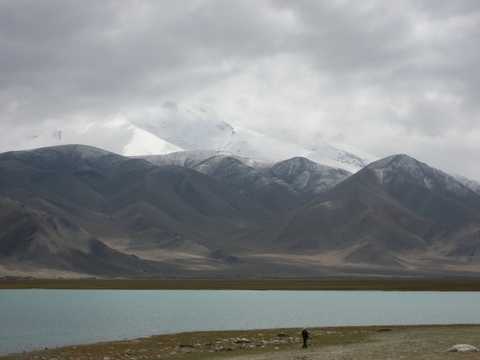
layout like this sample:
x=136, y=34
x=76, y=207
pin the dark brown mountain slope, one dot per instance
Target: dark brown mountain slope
x=33, y=239
x=84, y=210
x=394, y=209
x=131, y=204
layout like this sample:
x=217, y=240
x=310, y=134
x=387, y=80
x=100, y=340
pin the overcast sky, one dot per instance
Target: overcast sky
x=381, y=76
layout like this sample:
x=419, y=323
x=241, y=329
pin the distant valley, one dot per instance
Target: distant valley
x=77, y=211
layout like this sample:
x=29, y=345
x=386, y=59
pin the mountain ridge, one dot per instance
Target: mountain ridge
x=391, y=208
x=77, y=209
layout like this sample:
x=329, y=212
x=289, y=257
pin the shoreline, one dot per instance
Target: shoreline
x=201, y=345
x=301, y=284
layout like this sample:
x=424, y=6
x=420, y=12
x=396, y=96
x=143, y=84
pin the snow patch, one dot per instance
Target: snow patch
x=145, y=143
x=380, y=175
x=428, y=183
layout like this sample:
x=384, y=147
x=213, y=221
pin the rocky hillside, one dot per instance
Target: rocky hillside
x=395, y=212
x=82, y=210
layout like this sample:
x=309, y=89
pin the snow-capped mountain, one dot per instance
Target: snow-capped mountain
x=396, y=212
x=307, y=176
x=86, y=210
x=197, y=158
x=471, y=184
x=174, y=128
x=298, y=174
x=403, y=168
x=330, y=155
x=119, y=136
x=199, y=128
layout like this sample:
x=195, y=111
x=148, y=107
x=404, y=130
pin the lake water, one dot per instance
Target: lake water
x=33, y=319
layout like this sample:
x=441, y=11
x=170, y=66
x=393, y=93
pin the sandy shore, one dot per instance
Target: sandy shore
x=410, y=342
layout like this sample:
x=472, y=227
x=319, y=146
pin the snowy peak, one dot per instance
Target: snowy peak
x=189, y=128
x=72, y=151
x=298, y=174
x=469, y=183
x=191, y=159
x=329, y=155
x=308, y=176
x=82, y=151
x=77, y=158
x=173, y=128
x=387, y=168
x=118, y=135
x=297, y=165
x=397, y=161
x=194, y=128
x=403, y=168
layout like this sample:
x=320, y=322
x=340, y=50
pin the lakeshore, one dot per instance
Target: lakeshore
x=385, y=284
x=372, y=342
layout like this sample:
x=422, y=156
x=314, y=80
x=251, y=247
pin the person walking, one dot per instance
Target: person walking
x=305, y=337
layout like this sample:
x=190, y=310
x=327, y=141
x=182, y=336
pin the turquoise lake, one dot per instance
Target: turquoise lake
x=34, y=319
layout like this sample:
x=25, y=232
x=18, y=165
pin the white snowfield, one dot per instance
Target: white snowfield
x=119, y=136
x=199, y=128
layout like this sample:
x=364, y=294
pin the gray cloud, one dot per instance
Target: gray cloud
x=381, y=76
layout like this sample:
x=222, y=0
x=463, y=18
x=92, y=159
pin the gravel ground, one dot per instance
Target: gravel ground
x=348, y=343
x=429, y=343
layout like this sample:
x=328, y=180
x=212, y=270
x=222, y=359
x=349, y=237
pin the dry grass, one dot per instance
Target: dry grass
x=449, y=284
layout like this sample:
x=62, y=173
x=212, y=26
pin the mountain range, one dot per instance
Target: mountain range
x=175, y=127
x=77, y=210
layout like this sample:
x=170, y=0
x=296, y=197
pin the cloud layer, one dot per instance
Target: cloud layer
x=382, y=77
